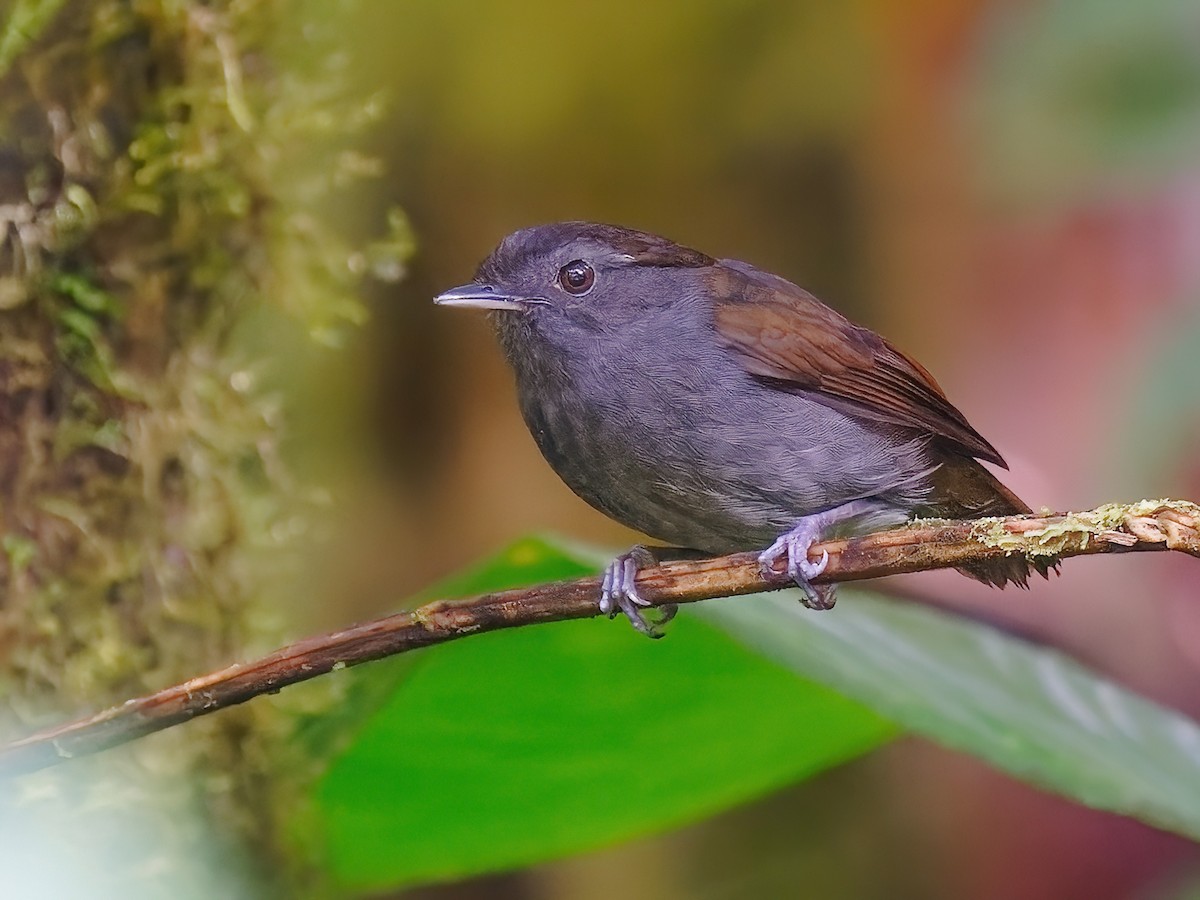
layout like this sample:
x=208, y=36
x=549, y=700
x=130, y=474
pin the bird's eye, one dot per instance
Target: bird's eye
x=576, y=277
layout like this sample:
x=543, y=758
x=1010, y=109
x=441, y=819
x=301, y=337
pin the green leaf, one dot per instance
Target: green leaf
x=520, y=746
x=1028, y=710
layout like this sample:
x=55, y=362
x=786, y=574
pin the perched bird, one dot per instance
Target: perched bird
x=720, y=408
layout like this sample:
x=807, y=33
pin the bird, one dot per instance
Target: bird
x=720, y=408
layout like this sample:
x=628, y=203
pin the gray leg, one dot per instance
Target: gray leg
x=619, y=594
x=794, y=546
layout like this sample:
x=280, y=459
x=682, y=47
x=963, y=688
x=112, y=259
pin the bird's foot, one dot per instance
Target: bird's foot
x=794, y=546
x=619, y=593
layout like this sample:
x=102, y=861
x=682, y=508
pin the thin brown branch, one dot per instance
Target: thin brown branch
x=1147, y=525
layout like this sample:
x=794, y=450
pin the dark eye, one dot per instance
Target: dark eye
x=576, y=277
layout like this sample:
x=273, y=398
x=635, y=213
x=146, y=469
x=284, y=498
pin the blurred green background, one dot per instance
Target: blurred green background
x=1009, y=192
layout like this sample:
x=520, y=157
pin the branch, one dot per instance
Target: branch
x=923, y=545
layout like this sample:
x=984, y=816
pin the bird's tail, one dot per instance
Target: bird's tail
x=964, y=489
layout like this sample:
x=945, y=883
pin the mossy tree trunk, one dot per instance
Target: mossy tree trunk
x=144, y=216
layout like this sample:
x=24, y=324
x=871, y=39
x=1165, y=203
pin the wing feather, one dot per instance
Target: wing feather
x=791, y=340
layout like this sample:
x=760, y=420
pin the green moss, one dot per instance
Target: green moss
x=157, y=195
x=1072, y=529
x=25, y=23
x=20, y=552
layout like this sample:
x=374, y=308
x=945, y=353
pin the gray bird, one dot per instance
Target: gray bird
x=720, y=408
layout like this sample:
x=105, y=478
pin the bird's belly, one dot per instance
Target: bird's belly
x=638, y=485
x=713, y=472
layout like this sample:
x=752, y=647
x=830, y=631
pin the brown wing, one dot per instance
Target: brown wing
x=786, y=336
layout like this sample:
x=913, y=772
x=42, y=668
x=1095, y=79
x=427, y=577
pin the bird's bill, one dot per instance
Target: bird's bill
x=478, y=296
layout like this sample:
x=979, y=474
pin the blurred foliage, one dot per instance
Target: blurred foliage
x=677, y=117
x=26, y=19
x=1160, y=426
x=1079, y=98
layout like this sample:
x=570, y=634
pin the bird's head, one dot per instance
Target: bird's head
x=574, y=276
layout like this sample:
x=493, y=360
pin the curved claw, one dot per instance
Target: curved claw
x=794, y=546
x=813, y=569
x=619, y=593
